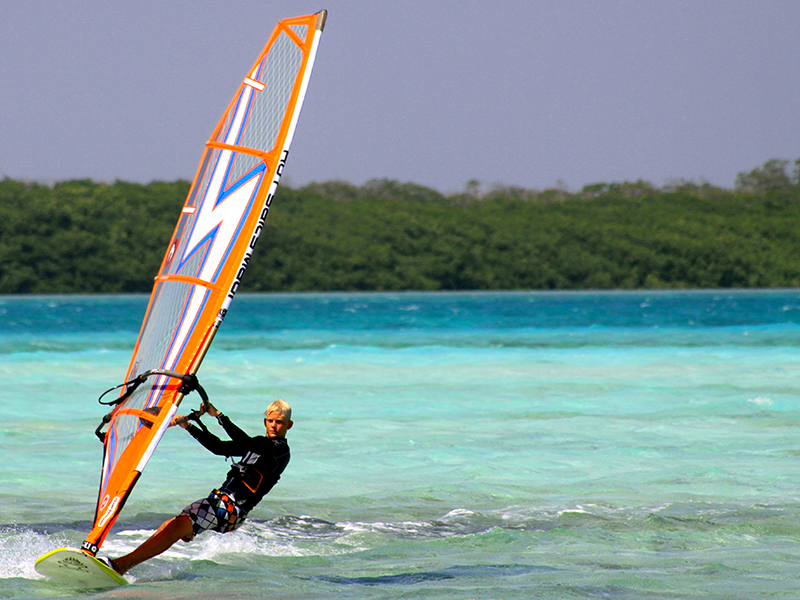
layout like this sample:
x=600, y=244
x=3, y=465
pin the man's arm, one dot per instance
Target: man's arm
x=239, y=437
x=210, y=441
x=213, y=443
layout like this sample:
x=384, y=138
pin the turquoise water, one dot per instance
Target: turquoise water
x=488, y=445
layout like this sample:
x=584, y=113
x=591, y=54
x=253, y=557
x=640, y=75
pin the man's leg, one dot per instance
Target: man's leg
x=169, y=533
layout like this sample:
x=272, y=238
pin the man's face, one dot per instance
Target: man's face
x=277, y=425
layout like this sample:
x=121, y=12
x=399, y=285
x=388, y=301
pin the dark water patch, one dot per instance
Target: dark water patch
x=72, y=313
x=668, y=523
x=508, y=320
x=292, y=527
x=606, y=591
x=454, y=572
x=68, y=345
x=441, y=310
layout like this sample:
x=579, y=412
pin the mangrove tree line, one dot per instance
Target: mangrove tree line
x=85, y=237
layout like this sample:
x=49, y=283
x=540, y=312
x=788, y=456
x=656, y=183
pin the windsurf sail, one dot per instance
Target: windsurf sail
x=216, y=232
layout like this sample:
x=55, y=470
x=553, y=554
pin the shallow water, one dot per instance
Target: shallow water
x=488, y=445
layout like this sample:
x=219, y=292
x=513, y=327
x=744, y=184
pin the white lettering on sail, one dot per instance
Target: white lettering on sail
x=256, y=232
x=109, y=512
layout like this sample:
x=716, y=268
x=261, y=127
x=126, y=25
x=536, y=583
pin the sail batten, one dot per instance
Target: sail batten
x=236, y=179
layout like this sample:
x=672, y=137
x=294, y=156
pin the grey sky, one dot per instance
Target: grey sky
x=436, y=92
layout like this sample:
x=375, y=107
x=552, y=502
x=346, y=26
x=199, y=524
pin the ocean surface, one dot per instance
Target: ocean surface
x=446, y=446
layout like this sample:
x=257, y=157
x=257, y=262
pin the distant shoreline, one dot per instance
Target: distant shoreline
x=84, y=237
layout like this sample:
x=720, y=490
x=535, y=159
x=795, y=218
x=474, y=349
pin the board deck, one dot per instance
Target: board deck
x=75, y=568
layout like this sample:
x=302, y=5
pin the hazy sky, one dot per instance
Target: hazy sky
x=436, y=92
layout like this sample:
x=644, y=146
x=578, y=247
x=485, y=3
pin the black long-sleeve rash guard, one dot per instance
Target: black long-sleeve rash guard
x=263, y=461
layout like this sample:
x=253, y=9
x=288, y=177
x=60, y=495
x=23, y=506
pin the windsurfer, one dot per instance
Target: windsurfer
x=263, y=460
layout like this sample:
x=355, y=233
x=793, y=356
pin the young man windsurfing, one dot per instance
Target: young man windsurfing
x=263, y=460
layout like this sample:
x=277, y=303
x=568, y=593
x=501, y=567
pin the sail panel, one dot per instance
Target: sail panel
x=236, y=178
x=165, y=322
x=299, y=30
x=243, y=165
x=169, y=316
x=257, y=115
x=280, y=66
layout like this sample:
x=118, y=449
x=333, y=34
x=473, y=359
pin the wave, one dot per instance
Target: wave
x=299, y=536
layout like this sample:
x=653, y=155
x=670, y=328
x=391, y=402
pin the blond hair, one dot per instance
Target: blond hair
x=282, y=407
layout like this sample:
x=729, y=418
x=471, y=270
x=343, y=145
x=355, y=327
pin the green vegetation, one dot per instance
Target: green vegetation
x=81, y=236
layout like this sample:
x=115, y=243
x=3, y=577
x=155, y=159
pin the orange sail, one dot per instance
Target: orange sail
x=217, y=230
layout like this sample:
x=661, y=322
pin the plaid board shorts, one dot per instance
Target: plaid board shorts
x=218, y=512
